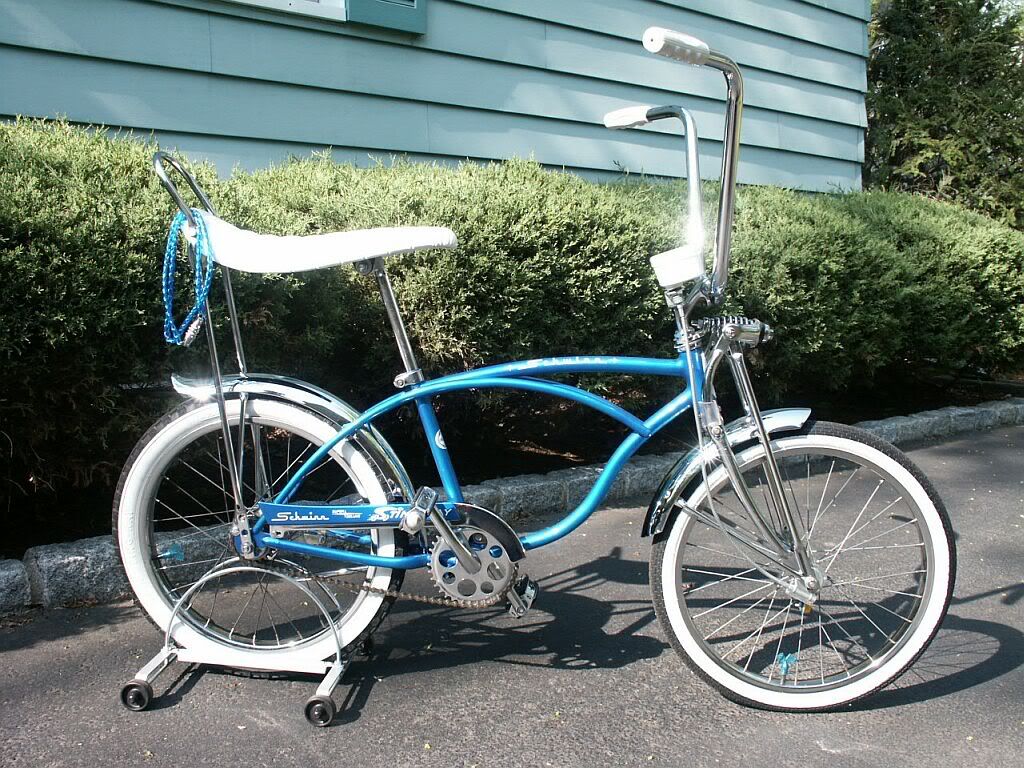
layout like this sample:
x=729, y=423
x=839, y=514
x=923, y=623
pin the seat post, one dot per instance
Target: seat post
x=412, y=373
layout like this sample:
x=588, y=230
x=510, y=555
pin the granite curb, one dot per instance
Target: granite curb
x=88, y=571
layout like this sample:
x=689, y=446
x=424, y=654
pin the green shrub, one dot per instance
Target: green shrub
x=548, y=264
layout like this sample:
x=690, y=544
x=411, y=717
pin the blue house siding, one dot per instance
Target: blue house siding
x=488, y=79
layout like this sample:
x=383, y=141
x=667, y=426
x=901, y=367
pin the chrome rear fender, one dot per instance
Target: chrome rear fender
x=687, y=468
x=313, y=398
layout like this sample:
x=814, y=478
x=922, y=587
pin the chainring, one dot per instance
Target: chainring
x=491, y=581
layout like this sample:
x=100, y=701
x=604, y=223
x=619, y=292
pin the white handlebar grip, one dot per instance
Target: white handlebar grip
x=627, y=117
x=676, y=45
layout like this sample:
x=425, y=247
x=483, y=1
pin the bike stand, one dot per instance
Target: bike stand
x=319, y=709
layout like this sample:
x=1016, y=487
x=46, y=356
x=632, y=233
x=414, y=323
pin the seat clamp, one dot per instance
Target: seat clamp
x=409, y=377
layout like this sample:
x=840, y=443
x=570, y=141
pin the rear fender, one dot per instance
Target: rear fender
x=688, y=468
x=313, y=398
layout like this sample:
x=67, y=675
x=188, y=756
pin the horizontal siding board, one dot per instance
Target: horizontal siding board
x=589, y=147
x=173, y=37
x=571, y=50
x=91, y=91
x=401, y=72
x=228, y=153
x=858, y=9
x=238, y=108
x=364, y=66
x=468, y=27
x=559, y=50
x=789, y=18
x=496, y=34
x=481, y=83
x=532, y=94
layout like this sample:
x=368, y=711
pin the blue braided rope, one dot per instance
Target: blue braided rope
x=179, y=334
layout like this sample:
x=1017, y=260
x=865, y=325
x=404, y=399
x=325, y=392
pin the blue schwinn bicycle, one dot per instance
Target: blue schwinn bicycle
x=266, y=524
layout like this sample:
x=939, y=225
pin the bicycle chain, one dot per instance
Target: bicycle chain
x=444, y=602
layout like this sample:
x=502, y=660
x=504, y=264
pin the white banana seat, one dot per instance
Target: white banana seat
x=252, y=252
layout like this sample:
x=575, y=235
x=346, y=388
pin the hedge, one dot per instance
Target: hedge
x=548, y=264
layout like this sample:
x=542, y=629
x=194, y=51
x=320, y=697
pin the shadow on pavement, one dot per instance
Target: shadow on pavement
x=35, y=625
x=567, y=629
x=966, y=652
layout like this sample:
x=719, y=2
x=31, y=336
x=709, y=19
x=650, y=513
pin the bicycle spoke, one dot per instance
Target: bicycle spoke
x=778, y=648
x=874, y=578
x=741, y=576
x=831, y=645
x=718, y=552
x=201, y=531
x=891, y=530
x=738, y=616
x=871, y=621
x=739, y=644
x=833, y=500
x=853, y=525
x=824, y=491
x=887, y=546
x=730, y=602
x=241, y=613
x=747, y=622
x=245, y=485
x=760, y=629
x=842, y=628
x=799, y=641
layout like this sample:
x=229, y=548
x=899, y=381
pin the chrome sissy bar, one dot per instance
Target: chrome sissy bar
x=161, y=161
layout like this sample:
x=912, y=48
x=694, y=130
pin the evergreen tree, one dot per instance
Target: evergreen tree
x=946, y=103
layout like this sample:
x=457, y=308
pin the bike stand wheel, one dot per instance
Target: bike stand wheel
x=136, y=695
x=320, y=711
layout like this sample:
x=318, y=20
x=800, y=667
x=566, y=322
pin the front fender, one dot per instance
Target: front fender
x=313, y=398
x=687, y=468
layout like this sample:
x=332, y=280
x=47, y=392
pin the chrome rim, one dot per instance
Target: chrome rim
x=870, y=542
x=188, y=522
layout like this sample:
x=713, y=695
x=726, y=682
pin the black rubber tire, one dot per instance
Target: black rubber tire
x=136, y=695
x=320, y=711
x=819, y=428
x=397, y=575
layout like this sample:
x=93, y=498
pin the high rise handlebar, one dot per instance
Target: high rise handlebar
x=685, y=48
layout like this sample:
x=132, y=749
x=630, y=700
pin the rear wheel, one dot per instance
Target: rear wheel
x=881, y=540
x=173, y=512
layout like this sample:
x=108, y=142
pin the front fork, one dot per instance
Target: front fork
x=794, y=555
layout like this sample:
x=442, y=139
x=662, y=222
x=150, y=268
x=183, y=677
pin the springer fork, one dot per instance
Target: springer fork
x=729, y=339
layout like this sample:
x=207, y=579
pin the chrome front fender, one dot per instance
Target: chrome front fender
x=312, y=398
x=687, y=468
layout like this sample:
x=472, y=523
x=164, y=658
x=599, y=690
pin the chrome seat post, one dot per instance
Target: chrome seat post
x=412, y=373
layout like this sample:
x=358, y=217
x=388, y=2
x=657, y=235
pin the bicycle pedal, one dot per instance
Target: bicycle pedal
x=521, y=597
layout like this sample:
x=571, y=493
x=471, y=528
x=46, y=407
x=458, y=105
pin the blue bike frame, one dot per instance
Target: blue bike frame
x=519, y=375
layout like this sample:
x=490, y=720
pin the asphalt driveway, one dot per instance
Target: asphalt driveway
x=586, y=679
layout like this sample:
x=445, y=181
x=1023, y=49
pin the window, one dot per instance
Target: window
x=404, y=15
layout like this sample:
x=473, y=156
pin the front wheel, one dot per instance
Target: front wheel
x=880, y=539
